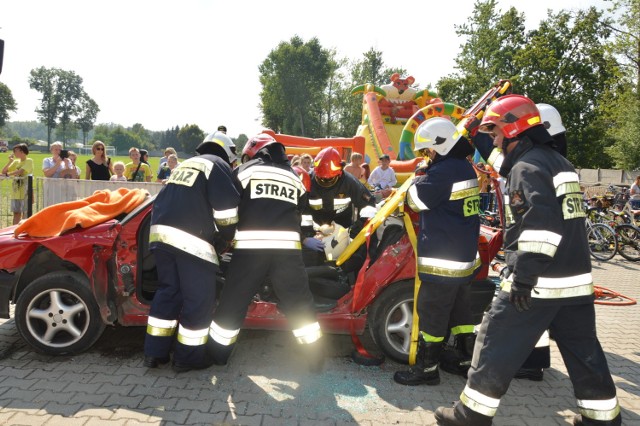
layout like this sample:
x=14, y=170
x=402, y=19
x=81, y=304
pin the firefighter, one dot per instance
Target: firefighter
x=336, y=196
x=199, y=192
x=267, y=246
x=548, y=284
x=447, y=198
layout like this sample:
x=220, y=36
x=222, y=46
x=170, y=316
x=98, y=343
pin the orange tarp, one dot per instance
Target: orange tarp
x=99, y=207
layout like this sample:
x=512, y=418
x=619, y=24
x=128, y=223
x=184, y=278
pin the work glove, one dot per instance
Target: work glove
x=520, y=296
x=313, y=244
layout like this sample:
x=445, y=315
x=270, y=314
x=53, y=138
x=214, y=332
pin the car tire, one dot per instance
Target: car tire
x=390, y=318
x=57, y=314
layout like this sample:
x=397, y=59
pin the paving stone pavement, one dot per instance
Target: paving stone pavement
x=266, y=382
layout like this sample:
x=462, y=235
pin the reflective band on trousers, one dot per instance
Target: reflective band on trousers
x=447, y=268
x=267, y=240
x=222, y=335
x=558, y=288
x=183, y=241
x=599, y=409
x=479, y=403
x=543, y=242
x=308, y=334
x=226, y=217
x=161, y=327
x=192, y=337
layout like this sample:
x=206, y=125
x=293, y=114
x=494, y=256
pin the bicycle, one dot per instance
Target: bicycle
x=627, y=235
x=603, y=243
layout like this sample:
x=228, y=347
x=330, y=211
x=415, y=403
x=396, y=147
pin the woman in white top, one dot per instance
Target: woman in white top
x=53, y=166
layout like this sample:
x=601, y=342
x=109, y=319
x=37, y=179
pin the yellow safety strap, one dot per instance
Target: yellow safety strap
x=415, y=332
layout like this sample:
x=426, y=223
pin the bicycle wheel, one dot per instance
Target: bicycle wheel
x=602, y=241
x=628, y=242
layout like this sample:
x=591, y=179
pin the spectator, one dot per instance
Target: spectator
x=222, y=129
x=166, y=170
x=136, y=170
x=306, y=160
x=355, y=166
x=634, y=193
x=484, y=184
x=118, y=175
x=98, y=167
x=18, y=167
x=73, y=171
x=144, y=156
x=295, y=160
x=167, y=152
x=382, y=178
x=54, y=165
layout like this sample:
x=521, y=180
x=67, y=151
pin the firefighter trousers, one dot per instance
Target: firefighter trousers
x=506, y=337
x=249, y=270
x=186, y=297
x=443, y=306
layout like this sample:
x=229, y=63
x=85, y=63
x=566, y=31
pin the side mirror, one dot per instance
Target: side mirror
x=1, y=54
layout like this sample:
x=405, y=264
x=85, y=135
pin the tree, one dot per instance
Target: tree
x=189, y=137
x=70, y=93
x=87, y=114
x=566, y=63
x=123, y=139
x=7, y=103
x=44, y=81
x=240, y=142
x=493, y=40
x=294, y=77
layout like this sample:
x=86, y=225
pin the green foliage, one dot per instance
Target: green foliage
x=7, y=103
x=240, y=142
x=294, y=77
x=87, y=115
x=190, y=136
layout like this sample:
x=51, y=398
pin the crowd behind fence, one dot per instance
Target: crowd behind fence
x=47, y=192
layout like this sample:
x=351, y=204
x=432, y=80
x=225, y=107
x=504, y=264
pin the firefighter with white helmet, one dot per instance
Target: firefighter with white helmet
x=199, y=196
x=447, y=199
x=221, y=138
x=267, y=246
x=548, y=284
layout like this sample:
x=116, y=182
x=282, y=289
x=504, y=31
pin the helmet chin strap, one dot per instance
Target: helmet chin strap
x=506, y=142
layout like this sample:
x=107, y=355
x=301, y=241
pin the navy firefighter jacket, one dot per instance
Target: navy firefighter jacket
x=447, y=198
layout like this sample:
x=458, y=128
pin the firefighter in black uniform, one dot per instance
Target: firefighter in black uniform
x=548, y=285
x=267, y=246
x=201, y=190
x=334, y=197
x=447, y=197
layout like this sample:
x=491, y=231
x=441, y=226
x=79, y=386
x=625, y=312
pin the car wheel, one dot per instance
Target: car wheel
x=57, y=314
x=390, y=318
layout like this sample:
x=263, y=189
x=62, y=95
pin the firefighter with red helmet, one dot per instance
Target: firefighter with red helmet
x=548, y=284
x=336, y=196
x=267, y=246
x=199, y=196
x=447, y=198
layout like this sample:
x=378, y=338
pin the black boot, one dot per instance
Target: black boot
x=457, y=360
x=425, y=371
x=314, y=355
x=460, y=415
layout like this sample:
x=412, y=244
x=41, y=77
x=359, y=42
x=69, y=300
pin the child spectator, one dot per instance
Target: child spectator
x=166, y=170
x=355, y=167
x=118, y=169
x=167, y=152
x=136, y=170
x=383, y=178
x=19, y=167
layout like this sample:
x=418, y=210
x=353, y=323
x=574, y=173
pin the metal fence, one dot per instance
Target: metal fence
x=48, y=191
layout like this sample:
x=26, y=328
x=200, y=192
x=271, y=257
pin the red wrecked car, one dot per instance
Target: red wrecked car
x=68, y=288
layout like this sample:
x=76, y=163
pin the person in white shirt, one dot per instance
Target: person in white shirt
x=383, y=177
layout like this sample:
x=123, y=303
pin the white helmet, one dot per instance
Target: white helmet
x=219, y=138
x=551, y=119
x=436, y=133
x=335, y=239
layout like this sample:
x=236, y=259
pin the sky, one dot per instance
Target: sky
x=171, y=63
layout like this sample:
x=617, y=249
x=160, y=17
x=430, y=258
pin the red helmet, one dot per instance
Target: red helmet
x=327, y=167
x=255, y=144
x=513, y=114
x=304, y=176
